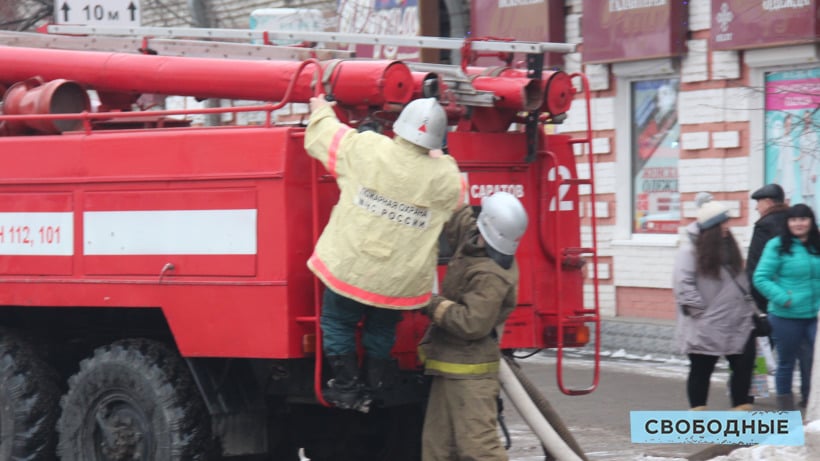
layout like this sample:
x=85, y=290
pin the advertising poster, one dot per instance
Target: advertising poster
x=655, y=154
x=792, y=121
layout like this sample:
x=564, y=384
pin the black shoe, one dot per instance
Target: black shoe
x=345, y=396
x=379, y=375
x=345, y=390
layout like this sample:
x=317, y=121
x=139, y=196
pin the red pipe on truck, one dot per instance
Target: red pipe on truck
x=355, y=83
x=556, y=89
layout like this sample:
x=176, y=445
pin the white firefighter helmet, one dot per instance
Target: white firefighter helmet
x=502, y=222
x=422, y=122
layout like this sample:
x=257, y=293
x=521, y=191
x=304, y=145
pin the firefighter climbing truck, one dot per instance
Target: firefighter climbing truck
x=155, y=302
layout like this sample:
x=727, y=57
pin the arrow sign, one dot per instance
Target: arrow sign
x=97, y=12
x=65, y=9
x=133, y=10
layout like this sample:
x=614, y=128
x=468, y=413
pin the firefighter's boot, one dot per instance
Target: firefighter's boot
x=378, y=376
x=344, y=390
x=378, y=373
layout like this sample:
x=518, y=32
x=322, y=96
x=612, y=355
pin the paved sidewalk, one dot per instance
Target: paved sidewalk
x=640, y=338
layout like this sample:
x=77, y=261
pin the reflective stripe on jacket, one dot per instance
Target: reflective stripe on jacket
x=380, y=244
x=477, y=295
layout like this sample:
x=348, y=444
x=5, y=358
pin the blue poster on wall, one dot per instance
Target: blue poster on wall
x=791, y=134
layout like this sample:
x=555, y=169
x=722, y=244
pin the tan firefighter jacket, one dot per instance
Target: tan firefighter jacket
x=477, y=295
x=381, y=243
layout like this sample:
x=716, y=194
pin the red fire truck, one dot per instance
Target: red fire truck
x=155, y=302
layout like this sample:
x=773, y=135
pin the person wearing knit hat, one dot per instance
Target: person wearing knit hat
x=692, y=230
x=711, y=214
x=714, y=319
x=701, y=198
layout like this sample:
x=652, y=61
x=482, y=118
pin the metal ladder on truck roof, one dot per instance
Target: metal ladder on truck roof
x=214, y=43
x=266, y=36
x=199, y=48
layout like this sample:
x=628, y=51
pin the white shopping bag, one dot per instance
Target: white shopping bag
x=764, y=364
x=764, y=349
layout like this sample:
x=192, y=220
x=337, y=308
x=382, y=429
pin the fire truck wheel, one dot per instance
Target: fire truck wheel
x=133, y=400
x=28, y=402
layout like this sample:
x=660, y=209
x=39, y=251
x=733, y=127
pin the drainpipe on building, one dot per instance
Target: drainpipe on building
x=201, y=17
x=458, y=12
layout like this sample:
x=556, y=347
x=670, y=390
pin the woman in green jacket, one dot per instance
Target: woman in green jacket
x=788, y=275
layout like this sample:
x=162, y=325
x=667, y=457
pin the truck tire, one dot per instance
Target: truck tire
x=29, y=395
x=133, y=400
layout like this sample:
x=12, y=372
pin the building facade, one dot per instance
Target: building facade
x=706, y=95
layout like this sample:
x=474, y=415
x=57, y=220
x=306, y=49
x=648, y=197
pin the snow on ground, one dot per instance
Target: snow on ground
x=808, y=452
x=672, y=367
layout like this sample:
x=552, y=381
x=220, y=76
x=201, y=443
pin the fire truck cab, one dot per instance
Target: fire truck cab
x=155, y=302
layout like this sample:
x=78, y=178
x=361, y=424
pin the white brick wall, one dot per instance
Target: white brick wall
x=695, y=175
x=725, y=139
x=716, y=105
x=572, y=28
x=572, y=64
x=601, y=209
x=603, y=271
x=575, y=6
x=604, y=234
x=688, y=209
x=603, y=116
x=599, y=146
x=713, y=174
x=604, y=177
x=737, y=174
x=702, y=106
x=598, y=76
x=739, y=104
x=693, y=67
x=725, y=65
x=606, y=299
x=700, y=14
x=695, y=141
x=644, y=266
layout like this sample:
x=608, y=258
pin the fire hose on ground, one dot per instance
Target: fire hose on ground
x=558, y=442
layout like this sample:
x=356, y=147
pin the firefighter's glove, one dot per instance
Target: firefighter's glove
x=436, y=308
x=429, y=307
x=317, y=102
